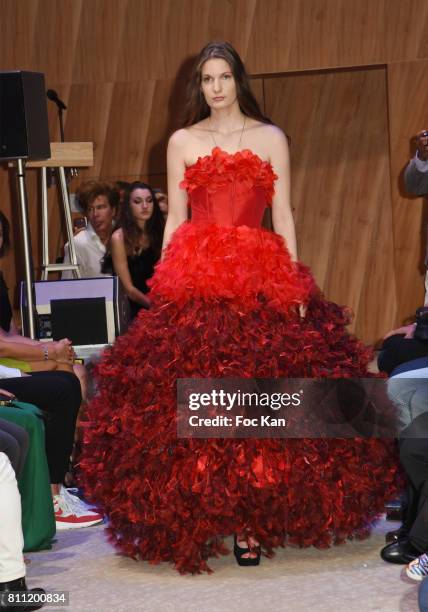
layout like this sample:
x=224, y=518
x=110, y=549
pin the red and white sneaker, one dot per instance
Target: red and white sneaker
x=72, y=517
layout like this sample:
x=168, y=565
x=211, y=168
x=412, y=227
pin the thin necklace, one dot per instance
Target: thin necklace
x=240, y=138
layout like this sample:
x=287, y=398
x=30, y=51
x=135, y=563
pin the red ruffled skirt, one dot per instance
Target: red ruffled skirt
x=224, y=304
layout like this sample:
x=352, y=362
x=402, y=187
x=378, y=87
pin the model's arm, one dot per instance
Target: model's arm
x=177, y=198
x=282, y=217
x=120, y=264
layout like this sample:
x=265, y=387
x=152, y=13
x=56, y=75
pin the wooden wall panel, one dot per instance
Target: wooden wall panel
x=99, y=39
x=121, y=67
x=159, y=38
x=55, y=36
x=88, y=118
x=126, y=136
x=337, y=123
x=408, y=103
x=17, y=33
x=294, y=35
x=106, y=40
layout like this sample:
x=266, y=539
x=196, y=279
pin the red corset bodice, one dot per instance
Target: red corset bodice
x=229, y=189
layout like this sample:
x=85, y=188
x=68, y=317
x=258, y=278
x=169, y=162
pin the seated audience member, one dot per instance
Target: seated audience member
x=12, y=566
x=54, y=387
x=99, y=202
x=26, y=354
x=416, y=179
x=136, y=245
x=14, y=440
x=413, y=539
x=399, y=347
x=162, y=199
x=58, y=395
x=408, y=389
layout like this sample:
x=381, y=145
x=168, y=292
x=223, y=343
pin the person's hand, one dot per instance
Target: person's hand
x=77, y=230
x=302, y=310
x=407, y=330
x=79, y=224
x=422, y=145
x=7, y=394
x=62, y=351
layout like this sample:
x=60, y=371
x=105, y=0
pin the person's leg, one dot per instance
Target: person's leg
x=12, y=564
x=397, y=350
x=14, y=441
x=414, y=459
x=418, y=534
x=409, y=395
x=423, y=596
x=58, y=395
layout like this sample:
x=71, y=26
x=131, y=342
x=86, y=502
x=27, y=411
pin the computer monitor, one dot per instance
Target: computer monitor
x=91, y=312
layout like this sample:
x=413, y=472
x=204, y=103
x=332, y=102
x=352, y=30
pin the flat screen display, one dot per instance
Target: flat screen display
x=82, y=320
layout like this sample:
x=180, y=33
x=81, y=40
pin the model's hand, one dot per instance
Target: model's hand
x=302, y=310
x=407, y=330
x=422, y=145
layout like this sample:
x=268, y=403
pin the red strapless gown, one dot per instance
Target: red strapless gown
x=224, y=305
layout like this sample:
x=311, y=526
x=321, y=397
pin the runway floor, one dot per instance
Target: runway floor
x=348, y=578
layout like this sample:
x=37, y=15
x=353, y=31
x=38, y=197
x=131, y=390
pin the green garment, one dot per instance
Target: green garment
x=24, y=366
x=38, y=519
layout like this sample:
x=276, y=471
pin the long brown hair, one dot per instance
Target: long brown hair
x=197, y=108
x=154, y=225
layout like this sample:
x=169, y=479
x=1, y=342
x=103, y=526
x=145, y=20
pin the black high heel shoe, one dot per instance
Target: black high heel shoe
x=245, y=561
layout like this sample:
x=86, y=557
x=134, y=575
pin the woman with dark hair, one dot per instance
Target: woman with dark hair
x=136, y=245
x=229, y=300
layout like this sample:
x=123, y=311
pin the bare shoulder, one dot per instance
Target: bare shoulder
x=274, y=134
x=180, y=138
x=117, y=236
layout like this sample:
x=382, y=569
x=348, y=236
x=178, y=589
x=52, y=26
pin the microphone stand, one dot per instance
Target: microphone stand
x=61, y=122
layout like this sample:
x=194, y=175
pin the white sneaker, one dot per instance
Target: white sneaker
x=69, y=517
x=418, y=568
x=74, y=500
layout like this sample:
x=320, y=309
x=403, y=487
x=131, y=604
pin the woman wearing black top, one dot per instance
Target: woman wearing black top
x=136, y=245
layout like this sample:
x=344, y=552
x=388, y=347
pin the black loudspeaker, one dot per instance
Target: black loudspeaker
x=24, y=131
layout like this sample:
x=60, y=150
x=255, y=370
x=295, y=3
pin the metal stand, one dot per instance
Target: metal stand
x=54, y=267
x=28, y=260
x=63, y=155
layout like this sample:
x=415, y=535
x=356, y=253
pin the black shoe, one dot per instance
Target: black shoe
x=17, y=585
x=402, y=533
x=401, y=552
x=246, y=561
